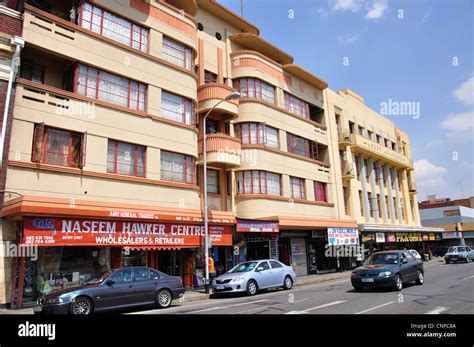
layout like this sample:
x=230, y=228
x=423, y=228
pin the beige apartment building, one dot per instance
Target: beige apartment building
x=105, y=167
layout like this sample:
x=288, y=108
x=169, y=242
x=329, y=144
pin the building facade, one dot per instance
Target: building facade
x=105, y=156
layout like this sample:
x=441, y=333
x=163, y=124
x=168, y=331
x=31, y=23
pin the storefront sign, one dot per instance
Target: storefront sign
x=87, y=232
x=451, y=213
x=426, y=237
x=380, y=237
x=368, y=237
x=257, y=227
x=391, y=237
x=409, y=237
x=452, y=235
x=432, y=237
x=343, y=236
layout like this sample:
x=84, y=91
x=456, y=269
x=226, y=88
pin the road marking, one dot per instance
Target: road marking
x=466, y=278
x=376, y=307
x=281, y=304
x=317, y=307
x=227, y=306
x=438, y=310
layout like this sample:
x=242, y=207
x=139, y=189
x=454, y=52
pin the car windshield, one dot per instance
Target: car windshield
x=100, y=277
x=456, y=249
x=383, y=258
x=244, y=267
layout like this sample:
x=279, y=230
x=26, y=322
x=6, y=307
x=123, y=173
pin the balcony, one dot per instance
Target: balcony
x=344, y=139
x=347, y=171
x=222, y=149
x=210, y=94
x=362, y=145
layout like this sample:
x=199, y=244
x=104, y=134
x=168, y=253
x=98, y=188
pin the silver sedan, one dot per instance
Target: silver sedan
x=251, y=276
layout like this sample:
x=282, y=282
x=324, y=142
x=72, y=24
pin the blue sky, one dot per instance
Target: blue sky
x=404, y=50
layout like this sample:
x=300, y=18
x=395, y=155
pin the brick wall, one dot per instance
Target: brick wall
x=10, y=25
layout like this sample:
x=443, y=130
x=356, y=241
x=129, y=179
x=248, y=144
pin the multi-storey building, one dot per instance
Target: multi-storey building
x=105, y=160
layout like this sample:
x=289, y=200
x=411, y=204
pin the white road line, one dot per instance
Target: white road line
x=227, y=306
x=466, y=278
x=376, y=307
x=438, y=310
x=317, y=307
x=261, y=308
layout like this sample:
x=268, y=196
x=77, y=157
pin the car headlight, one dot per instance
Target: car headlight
x=385, y=274
x=237, y=279
x=54, y=301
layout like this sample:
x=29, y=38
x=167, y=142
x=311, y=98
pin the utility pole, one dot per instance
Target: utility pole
x=242, y=8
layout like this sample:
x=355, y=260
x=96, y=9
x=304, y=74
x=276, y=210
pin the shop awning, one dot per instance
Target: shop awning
x=398, y=228
x=305, y=223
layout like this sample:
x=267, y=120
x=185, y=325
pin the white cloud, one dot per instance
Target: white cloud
x=459, y=123
x=377, y=9
x=347, y=39
x=345, y=5
x=467, y=165
x=428, y=174
x=465, y=92
x=426, y=16
x=322, y=13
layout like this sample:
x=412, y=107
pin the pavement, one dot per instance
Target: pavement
x=332, y=293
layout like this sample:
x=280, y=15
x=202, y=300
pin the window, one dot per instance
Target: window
x=209, y=77
x=177, y=54
x=258, y=182
x=301, y=146
x=141, y=275
x=218, y=36
x=351, y=127
x=296, y=105
x=113, y=27
x=255, y=88
x=212, y=126
x=213, y=181
x=122, y=276
x=32, y=71
x=111, y=88
x=125, y=158
x=178, y=108
x=275, y=264
x=264, y=265
x=155, y=275
x=320, y=191
x=178, y=167
x=257, y=133
x=58, y=147
x=200, y=27
x=297, y=188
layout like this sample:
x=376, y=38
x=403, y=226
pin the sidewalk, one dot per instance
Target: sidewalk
x=197, y=295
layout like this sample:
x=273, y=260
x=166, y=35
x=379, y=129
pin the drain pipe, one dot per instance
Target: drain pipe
x=19, y=42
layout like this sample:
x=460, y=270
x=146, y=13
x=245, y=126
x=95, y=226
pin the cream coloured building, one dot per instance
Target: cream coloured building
x=107, y=130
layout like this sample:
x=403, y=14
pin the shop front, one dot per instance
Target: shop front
x=256, y=239
x=73, y=249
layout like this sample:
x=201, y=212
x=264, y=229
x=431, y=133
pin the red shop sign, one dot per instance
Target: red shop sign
x=91, y=232
x=391, y=238
x=251, y=226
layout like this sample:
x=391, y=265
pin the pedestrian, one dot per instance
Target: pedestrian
x=212, y=270
x=359, y=259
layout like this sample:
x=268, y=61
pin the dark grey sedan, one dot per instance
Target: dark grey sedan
x=119, y=288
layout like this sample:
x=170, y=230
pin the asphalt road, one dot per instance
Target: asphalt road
x=448, y=289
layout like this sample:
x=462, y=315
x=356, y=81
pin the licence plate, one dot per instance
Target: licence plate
x=367, y=280
x=37, y=308
x=220, y=287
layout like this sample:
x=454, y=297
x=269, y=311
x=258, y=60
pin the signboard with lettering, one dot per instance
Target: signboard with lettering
x=245, y=226
x=391, y=237
x=366, y=237
x=91, y=232
x=380, y=237
x=450, y=213
x=409, y=237
x=343, y=236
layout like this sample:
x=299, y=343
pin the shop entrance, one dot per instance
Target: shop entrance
x=257, y=250
x=170, y=262
x=317, y=249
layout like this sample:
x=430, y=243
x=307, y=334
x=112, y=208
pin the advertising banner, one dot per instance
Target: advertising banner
x=245, y=226
x=343, y=236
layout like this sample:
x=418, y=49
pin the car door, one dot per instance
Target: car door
x=144, y=285
x=405, y=265
x=278, y=273
x=263, y=275
x=118, y=293
x=412, y=266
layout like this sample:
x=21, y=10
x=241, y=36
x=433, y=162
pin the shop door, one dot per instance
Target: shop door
x=298, y=256
x=257, y=250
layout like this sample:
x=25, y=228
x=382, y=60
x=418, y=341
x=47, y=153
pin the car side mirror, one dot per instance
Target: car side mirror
x=404, y=260
x=259, y=269
x=109, y=282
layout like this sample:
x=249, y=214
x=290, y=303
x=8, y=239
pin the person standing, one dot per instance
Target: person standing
x=212, y=270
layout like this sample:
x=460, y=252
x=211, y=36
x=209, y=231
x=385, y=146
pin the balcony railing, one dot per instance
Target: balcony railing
x=344, y=138
x=210, y=94
x=221, y=148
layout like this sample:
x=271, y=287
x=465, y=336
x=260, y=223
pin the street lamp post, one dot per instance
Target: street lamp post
x=234, y=95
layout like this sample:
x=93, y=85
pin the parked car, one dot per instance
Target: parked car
x=440, y=251
x=459, y=253
x=251, y=276
x=415, y=253
x=113, y=289
x=388, y=269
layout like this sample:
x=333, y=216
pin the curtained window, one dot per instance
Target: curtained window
x=257, y=133
x=125, y=158
x=178, y=167
x=258, y=182
x=177, y=108
x=177, y=54
x=113, y=27
x=320, y=191
x=255, y=88
x=111, y=88
x=297, y=188
x=296, y=105
x=213, y=185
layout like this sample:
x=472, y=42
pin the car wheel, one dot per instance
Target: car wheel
x=252, y=288
x=287, y=283
x=420, y=278
x=163, y=298
x=81, y=306
x=358, y=288
x=398, y=283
